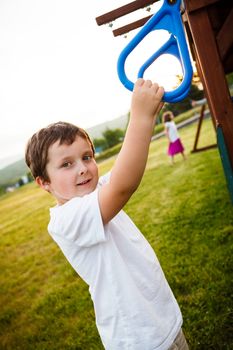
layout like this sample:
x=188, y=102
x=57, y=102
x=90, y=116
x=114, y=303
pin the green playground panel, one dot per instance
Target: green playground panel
x=225, y=161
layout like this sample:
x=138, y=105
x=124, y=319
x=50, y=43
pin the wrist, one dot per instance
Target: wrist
x=142, y=121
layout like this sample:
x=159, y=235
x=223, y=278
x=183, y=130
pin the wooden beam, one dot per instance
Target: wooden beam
x=204, y=148
x=200, y=74
x=123, y=10
x=195, y=149
x=131, y=26
x=225, y=36
x=193, y=5
x=214, y=81
x=199, y=128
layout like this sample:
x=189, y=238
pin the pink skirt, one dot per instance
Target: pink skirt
x=175, y=147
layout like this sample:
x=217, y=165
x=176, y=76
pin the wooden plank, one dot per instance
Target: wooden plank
x=131, y=26
x=199, y=128
x=123, y=10
x=201, y=149
x=225, y=36
x=217, y=91
x=193, y=5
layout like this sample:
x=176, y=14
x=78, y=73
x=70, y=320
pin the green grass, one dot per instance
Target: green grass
x=186, y=214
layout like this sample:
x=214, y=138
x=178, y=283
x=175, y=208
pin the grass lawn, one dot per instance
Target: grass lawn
x=183, y=210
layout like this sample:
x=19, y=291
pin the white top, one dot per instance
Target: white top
x=172, y=131
x=134, y=306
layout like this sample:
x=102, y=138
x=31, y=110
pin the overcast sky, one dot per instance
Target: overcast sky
x=56, y=64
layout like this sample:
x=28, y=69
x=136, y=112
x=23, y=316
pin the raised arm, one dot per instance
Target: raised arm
x=130, y=164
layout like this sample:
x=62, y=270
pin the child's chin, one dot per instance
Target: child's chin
x=83, y=193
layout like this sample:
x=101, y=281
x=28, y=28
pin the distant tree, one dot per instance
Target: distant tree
x=100, y=144
x=20, y=182
x=185, y=104
x=195, y=93
x=30, y=177
x=113, y=136
x=230, y=79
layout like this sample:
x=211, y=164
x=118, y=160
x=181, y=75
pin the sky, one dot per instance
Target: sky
x=57, y=64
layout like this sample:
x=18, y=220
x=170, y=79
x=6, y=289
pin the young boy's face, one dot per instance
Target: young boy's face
x=72, y=170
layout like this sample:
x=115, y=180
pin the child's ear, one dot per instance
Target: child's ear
x=43, y=184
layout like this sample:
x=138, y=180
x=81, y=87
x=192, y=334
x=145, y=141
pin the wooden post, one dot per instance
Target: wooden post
x=214, y=81
x=195, y=149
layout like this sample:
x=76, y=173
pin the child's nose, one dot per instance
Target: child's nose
x=82, y=169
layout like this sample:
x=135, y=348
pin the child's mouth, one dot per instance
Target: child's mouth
x=83, y=182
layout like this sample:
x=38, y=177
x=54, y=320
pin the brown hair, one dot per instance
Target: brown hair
x=36, y=154
x=167, y=116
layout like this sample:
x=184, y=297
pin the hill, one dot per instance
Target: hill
x=117, y=123
x=11, y=173
x=5, y=161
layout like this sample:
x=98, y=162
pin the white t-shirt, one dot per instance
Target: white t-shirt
x=134, y=306
x=172, y=131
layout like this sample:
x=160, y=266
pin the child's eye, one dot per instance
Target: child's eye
x=66, y=165
x=87, y=157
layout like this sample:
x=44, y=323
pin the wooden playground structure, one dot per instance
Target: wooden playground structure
x=209, y=29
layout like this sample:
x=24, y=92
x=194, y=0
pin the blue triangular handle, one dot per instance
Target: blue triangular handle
x=168, y=18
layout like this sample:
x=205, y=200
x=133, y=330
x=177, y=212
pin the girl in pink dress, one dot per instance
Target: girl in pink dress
x=175, y=145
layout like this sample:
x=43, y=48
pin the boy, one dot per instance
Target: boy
x=134, y=306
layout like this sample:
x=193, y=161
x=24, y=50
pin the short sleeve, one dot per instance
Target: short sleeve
x=78, y=220
x=104, y=179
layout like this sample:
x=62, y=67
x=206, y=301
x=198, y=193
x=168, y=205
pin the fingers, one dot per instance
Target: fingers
x=146, y=98
x=155, y=86
x=159, y=95
x=139, y=82
x=158, y=90
x=142, y=82
x=148, y=83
